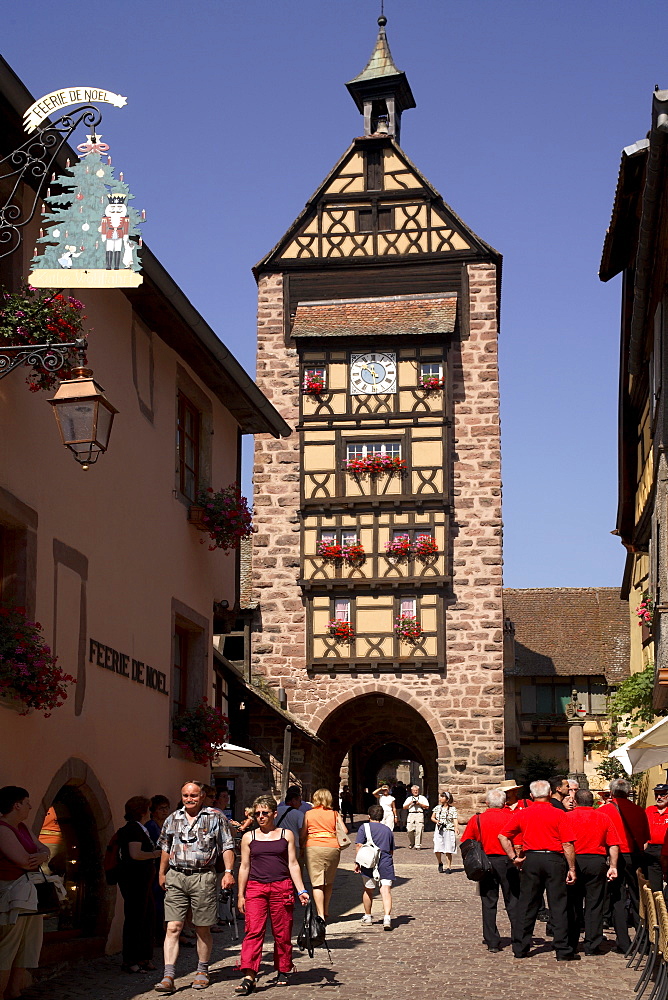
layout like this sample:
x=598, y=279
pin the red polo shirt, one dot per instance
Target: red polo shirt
x=634, y=820
x=658, y=824
x=492, y=822
x=542, y=828
x=591, y=832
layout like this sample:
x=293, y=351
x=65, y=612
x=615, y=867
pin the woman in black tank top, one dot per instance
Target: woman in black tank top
x=268, y=877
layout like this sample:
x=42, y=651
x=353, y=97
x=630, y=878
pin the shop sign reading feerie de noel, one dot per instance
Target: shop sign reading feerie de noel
x=126, y=666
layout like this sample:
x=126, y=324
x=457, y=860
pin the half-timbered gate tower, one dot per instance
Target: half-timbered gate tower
x=377, y=561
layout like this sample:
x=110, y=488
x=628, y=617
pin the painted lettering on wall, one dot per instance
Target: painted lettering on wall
x=126, y=666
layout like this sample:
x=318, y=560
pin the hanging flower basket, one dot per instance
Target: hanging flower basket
x=354, y=555
x=645, y=610
x=432, y=383
x=425, y=546
x=331, y=552
x=226, y=516
x=313, y=385
x=28, y=671
x=38, y=316
x=407, y=628
x=200, y=732
x=343, y=631
x=374, y=465
x=398, y=548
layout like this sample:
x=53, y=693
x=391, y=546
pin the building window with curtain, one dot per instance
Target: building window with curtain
x=188, y=447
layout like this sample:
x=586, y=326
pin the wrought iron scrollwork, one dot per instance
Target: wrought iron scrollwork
x=34, y=161
x=51, y=357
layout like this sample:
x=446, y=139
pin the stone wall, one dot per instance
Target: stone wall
x=465, y=708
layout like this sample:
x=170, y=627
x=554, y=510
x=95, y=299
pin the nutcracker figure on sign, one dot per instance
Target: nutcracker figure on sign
x=115, y=231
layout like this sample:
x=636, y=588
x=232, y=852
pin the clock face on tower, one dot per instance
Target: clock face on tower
x=372, y=373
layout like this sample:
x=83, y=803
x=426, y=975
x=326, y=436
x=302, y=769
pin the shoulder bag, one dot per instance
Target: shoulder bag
x=313, y=932
x=342, y=833
x=476, y=862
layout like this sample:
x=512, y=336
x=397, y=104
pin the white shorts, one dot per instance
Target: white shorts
x=370, y=883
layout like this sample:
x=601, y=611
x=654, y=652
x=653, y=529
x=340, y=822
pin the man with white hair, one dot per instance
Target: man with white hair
x=547, y=860
x=485, y=827
x=633, y=829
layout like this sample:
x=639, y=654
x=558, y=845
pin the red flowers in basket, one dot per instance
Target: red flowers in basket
x=425, y=546
x=645, y=610
x=407, y=628
x=330, y=551
x=373, y=465
x=432, y=383
x=343, y=631
x=354, y=554
x=27, y=668
x=41, y=316
x=201, y=732
x=399, y=547
x=313, y=384
x=227, y=516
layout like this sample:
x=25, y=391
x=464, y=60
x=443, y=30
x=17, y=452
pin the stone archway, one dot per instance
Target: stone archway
x=76, y=790
x=370, y=727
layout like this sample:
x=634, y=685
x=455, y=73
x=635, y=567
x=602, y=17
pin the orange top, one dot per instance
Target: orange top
x=320, y=824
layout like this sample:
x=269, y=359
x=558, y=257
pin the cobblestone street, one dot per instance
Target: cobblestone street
x=435, y=948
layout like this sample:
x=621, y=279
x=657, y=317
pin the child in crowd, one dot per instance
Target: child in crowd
x=383, y=875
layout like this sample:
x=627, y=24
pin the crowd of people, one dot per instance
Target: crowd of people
x=583, y=855
x=175, y=867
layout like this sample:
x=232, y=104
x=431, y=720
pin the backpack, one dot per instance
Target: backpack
x=312, y=934
x=112, y=861
x=368, y=856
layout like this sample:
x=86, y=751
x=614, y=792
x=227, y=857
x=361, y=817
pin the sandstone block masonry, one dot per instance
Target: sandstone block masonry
x=465, y=707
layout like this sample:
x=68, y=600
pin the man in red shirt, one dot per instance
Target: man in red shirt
x=657, y=817
x=593, y=836
x=547, y=860
x=633, y=830
x=486, y=827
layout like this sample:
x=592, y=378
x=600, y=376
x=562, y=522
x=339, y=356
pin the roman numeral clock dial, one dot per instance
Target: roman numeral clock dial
x=372, y=373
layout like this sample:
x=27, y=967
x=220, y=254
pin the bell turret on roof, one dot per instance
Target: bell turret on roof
x=381, y=91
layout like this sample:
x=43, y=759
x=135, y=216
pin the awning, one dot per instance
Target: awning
x=390, y=316
x=644, y=750
x=232, y=756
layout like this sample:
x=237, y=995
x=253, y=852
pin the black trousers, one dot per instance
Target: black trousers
x=506, y=877
x=625, y=884
x=652, y=867
x=588, y=891
x=139, y=913
x=542, y=871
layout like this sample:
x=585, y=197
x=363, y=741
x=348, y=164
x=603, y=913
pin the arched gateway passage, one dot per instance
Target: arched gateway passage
x=373, y=729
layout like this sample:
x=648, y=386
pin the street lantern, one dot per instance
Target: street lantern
x=84, y=416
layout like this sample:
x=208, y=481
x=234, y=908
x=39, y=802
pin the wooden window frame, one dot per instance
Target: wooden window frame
x=186, y=406
x=180, y=697
x=366, y=444
x=341, y=600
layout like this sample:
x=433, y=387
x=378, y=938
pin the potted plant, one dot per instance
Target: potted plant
x=374, y=465
x=354, y=555
x=432, y=383
x=343, y=631
x=399, y=548
x=407, y=628
x=645, y=613
x=225, y=515
x=29, y=673
x=330, y=551
x=41, y=316
x=425, y=547
x=313, y=384
x=200, y=732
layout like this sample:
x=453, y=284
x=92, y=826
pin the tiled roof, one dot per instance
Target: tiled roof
x=398, y=315
x=569, y=631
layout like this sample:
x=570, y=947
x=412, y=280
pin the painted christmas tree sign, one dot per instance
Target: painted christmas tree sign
x=93, y=233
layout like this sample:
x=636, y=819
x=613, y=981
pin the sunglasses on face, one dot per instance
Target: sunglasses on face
x=263, y=812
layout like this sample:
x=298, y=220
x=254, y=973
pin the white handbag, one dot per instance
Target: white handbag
x=368, y=855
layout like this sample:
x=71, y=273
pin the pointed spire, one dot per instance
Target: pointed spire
x=381, y=91
x=381, y=62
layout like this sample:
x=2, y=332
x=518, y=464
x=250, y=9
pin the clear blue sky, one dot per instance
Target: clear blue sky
x=237, y=110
